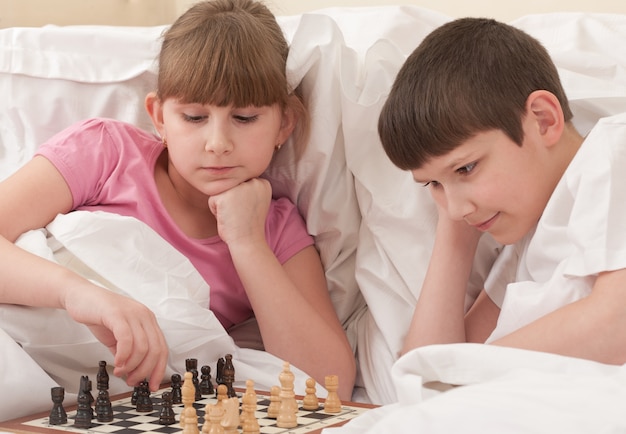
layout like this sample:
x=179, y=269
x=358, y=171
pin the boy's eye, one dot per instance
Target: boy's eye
x=432, y=184
x=464, y=170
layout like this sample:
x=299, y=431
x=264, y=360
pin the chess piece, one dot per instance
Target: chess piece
x=332, y=403
x=310, y=402
x=288, y=405
x=219, y=371
x=89, y=396
x=167, y=416
x=228, y=375
x=177, y=397
x=104, y=409
x=102, y=377
x=189, y=420
x=188, y=397
x=58, y=416
x=196, y=384
x=231, y=420
x=249, y=423
x=84, y=412
x=213, y=415
x=144, y=402
x=191, y=364
x=135, y=395
x=206, y=386
x=274, y=407
x=222, y=393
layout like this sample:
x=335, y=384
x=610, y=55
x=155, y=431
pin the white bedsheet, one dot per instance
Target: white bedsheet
x=470, y=388
x=123, y=255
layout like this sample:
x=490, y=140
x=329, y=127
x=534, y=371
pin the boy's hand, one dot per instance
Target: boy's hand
x=128, y=328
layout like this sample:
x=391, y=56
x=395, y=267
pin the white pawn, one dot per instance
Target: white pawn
x=190, y=418
x=274, y=408
x=213, y=415
x=332, y=403
x=310, y=402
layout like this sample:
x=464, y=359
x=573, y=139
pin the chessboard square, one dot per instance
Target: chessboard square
x=144, y=418
x=265, y=421
x=150, y=427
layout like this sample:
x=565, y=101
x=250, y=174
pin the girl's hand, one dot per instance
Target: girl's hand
x=241, y=211
x=128, y=328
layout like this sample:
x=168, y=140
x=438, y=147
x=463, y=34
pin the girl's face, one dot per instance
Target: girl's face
x=213, y=149
x=491, y=183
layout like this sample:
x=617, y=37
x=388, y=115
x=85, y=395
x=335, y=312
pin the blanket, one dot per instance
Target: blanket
x=123, y=255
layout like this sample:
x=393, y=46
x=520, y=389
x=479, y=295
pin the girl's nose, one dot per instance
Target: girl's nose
x=218, y=142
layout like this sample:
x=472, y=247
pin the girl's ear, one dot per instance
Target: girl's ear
x=545, y=112
x=154, y=107
x=288, y=124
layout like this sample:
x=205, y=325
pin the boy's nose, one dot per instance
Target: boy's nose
x=459, y=206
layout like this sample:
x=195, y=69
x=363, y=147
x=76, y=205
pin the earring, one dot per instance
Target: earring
x=278, y=146
x=164, y=140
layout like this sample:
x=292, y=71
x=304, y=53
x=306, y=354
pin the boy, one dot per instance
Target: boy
x=479, y=116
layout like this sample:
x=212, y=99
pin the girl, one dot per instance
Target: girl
x=222, y=108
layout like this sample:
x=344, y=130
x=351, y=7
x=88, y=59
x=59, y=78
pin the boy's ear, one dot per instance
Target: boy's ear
x=154, y=107
x=544, y=110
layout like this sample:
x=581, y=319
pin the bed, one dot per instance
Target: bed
x=372, y=224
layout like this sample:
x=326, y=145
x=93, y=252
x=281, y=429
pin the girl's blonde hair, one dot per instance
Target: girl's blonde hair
x=229, y=52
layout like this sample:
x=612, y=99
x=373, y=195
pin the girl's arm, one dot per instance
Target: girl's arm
x=291, y=302
x=30, y=199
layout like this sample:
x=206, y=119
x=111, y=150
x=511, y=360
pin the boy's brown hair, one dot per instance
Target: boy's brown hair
x=225, y=52
x=468, y=76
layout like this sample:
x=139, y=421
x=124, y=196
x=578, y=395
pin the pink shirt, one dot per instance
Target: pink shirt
x=109, y=166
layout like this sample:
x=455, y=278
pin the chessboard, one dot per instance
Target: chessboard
x=128, y=420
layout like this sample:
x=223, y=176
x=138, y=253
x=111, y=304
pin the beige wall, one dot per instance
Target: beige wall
x=155, y=12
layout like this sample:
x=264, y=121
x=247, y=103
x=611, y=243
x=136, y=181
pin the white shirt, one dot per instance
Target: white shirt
x=581, y=233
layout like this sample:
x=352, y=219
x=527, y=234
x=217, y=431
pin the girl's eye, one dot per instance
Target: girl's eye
x=193, y=119
x=245, y=119
x=464, y=170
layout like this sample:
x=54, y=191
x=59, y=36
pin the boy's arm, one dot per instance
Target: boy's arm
x=439, y=313
x=591, y=328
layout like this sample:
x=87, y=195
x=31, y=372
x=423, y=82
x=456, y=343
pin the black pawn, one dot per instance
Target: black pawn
x=135, y=395
x=58, y=416
x=167, y=415
x=104, y=409
x=177, y=394
x=206, y=386
x=144, y=402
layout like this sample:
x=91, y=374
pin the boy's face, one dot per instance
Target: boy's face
x=491, y=183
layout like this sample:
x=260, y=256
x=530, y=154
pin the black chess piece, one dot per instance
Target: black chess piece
x=102, y=378
x=228, y=375
x=144, y=402
x=177, y=394
x=84, y=412
x=206, y=385
x=196, y=384
x=191, y=364
x=219, y=371
x=167, y=415
x=104, y=409
x=58, y=416
x=135, y=395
